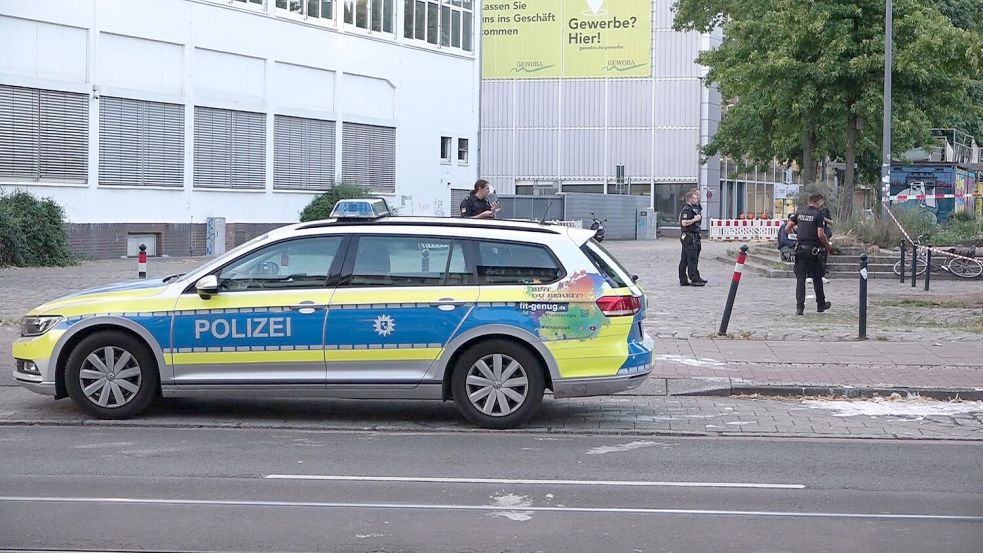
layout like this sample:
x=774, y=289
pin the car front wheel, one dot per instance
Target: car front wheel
x=111, y=375
x=498, y=384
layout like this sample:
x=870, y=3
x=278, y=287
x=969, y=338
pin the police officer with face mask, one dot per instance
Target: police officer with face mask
x=689, y=222
x=812, y=242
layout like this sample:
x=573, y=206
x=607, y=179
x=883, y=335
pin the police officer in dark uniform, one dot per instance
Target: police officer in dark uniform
x=476, y=205
x=689, y=221
x=812, y=241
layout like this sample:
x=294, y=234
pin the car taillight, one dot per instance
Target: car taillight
x=619, y=306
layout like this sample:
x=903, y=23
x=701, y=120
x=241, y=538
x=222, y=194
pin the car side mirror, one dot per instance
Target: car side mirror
x=207, y=286
x=634, y=278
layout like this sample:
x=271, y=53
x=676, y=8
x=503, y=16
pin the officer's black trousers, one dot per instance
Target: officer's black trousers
x=689, y=259
x=808, y=265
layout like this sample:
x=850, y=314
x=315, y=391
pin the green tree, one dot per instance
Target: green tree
x=808, y=77
x=321, y=206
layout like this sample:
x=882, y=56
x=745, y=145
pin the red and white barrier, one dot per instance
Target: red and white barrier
x=744, y=229
x=906, y=197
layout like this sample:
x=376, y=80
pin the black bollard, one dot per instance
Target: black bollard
x=738, y=270
x=914, y=263
x=904, y=248
x=863, y=297
x=928, y=268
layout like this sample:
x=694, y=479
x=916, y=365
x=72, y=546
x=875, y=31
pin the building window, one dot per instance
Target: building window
x=445, y=148
x=44, y=135
x=253, y=2
x=141, y=143
x=303, y=153
x=375, y=15
x=462, y=151
x=230, y=148
x=312, y=9
x=368, y=156
x=447, y=23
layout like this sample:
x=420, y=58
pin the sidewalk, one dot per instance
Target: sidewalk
x=854, y=369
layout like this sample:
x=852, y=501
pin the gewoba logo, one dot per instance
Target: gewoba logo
x=530, y=66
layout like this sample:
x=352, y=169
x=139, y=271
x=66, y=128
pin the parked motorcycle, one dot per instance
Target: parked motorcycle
x=598, y=227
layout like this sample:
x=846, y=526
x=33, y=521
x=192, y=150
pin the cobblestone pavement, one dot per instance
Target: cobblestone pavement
x=763, y=310
x=909, y=419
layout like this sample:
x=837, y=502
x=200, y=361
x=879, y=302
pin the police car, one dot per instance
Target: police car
x=489, y=314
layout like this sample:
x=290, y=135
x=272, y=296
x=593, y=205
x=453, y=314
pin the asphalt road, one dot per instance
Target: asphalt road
x=270, y=490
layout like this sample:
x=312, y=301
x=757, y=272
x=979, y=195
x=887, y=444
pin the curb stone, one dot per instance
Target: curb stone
x=465, y=430
x=724, y=387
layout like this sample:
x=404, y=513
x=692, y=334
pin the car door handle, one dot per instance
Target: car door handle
x=446, y=304
x=306, y=307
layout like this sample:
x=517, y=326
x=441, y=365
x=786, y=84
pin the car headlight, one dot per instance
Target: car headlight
x=38, y=325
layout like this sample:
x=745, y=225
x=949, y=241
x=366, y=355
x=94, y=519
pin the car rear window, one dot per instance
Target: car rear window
x=615, y=274
x=511, y=263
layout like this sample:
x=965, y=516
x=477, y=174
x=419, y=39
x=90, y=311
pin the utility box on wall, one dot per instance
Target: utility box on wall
x=647, y=224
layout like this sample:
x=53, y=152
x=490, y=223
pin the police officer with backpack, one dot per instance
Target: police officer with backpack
x=812, y=242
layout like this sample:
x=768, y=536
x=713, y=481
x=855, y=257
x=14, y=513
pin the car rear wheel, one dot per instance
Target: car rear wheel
x=111, y=375
x=498, y=384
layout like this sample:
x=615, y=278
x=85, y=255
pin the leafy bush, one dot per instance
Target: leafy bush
x=321, y=206
x=33, y=232
x=960, y=228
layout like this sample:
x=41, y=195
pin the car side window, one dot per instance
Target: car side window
x=301, y=263
x=510, y=263
x=408, y=261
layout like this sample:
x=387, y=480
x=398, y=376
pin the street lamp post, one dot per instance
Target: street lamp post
x=886, y=137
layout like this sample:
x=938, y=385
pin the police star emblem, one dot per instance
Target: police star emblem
x=384, y=325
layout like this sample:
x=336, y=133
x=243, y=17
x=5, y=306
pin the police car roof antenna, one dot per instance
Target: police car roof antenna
x=542, y=220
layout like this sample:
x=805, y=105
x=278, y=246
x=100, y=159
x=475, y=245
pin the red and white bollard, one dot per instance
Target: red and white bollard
x=142, y=262
x=732, y=295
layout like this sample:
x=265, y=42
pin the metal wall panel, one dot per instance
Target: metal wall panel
x=536, y=104
x=674, y=54
x=496, y=152
x=630, y=102
x=583, y=103
x=536, y=152
x=583, y=154
x=677, y=103
x=631, y=148
x=662, y=14
x=621, y=212
x=496, y=104
x=676, y=155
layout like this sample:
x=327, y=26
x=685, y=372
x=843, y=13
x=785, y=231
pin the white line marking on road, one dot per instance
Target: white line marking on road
x=440, y=507
x=445, y=480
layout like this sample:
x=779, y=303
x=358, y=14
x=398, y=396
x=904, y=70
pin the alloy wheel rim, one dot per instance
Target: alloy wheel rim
x=110, y=377
x=497, y=385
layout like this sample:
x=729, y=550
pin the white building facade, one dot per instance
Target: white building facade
x=148, y=117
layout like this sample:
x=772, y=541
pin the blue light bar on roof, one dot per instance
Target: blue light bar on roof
x=362, y=208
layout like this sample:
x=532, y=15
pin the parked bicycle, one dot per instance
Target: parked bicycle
x=948, y=262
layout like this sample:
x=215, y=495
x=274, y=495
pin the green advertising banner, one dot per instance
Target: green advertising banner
x=536, y=39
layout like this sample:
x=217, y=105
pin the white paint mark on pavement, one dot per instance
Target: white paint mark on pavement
x=689, y=361
x=509, y=501
x=911, y=409
x=103, y=445
x=366, y=536
x=741, y=423
x=619, y=448
x=508, y=481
